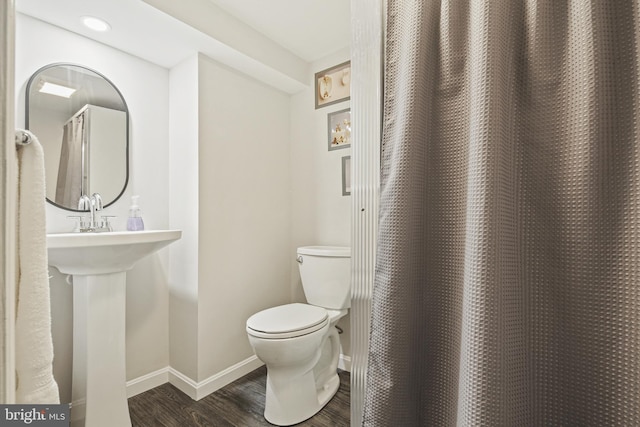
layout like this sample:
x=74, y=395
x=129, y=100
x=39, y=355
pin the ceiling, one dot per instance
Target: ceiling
x=310, y=29
x=272, y=40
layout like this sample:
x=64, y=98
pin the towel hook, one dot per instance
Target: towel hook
x=23, y=137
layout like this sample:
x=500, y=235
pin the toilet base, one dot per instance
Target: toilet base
x=309, y=401
x=293, y=397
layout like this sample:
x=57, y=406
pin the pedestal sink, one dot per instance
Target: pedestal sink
x=98, y=263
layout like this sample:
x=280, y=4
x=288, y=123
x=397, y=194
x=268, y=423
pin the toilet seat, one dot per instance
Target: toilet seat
x=287, y=321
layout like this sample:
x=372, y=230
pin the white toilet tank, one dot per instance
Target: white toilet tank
x=326, y=275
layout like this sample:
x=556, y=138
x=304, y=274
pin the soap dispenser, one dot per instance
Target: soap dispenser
x=134, y=223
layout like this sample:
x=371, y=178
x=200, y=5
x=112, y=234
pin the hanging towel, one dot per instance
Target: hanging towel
x=34, y=345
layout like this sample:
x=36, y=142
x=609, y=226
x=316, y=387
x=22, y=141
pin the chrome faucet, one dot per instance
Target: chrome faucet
x=84, y=203
x=96, y=205
x=92, y=204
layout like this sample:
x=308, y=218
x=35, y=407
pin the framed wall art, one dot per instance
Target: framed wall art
x=346, y=176
x=333, y=85
x=339, y=129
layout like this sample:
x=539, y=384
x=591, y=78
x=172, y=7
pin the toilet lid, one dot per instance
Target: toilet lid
x=287, y=321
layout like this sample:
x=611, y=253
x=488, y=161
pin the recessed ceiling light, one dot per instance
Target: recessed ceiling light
x=96, y=24
x=58, y=90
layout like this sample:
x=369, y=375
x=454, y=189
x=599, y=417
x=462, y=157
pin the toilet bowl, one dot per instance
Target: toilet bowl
x=299, y=343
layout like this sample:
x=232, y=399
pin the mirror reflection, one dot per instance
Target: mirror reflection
x=82, y=122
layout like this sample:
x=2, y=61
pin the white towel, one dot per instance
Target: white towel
x=34, y=345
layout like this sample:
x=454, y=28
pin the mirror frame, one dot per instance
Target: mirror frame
x=126, y=110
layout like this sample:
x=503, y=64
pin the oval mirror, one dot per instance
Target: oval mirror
x=82, y=122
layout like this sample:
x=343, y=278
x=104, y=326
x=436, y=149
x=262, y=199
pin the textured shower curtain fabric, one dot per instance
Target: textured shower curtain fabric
x=71, y=170
x=507, y=288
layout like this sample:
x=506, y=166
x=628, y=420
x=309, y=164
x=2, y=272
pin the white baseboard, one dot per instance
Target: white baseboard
x=344, y=363
x=78, y=410
x=147, y=382
x=215, y=382
x=198, y=390
x=195, y=390
x=183, y=383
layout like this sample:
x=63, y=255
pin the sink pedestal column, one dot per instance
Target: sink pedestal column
x=98, y=263
x=99, y=369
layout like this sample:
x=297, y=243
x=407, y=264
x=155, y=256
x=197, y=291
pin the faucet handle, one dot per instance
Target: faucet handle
x=105, y=222
x=78, y=225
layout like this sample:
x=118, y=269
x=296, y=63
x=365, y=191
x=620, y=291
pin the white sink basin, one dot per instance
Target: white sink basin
x=103, y=253
x=98, y=263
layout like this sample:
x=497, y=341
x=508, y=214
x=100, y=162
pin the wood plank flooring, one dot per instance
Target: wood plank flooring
x=239, y=404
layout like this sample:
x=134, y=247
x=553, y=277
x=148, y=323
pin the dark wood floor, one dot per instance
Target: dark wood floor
x=239, y=404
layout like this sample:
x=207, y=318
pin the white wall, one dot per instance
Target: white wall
x=183, y=209
x=145, y=88
x=230, y=194
x=245, y=210
x=321, y=215
x=106, y=127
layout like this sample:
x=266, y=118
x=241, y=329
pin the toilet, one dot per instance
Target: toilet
x=299, y=343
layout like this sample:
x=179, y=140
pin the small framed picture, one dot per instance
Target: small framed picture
x=346, y=176
x=333, y=85
x=339, y=129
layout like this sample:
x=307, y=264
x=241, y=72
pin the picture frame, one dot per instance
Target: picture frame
x=333, y=85
x=339, y=129
x=346, y=176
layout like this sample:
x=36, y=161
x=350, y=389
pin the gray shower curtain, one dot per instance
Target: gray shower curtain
x=73, y=168
x=507, y=288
